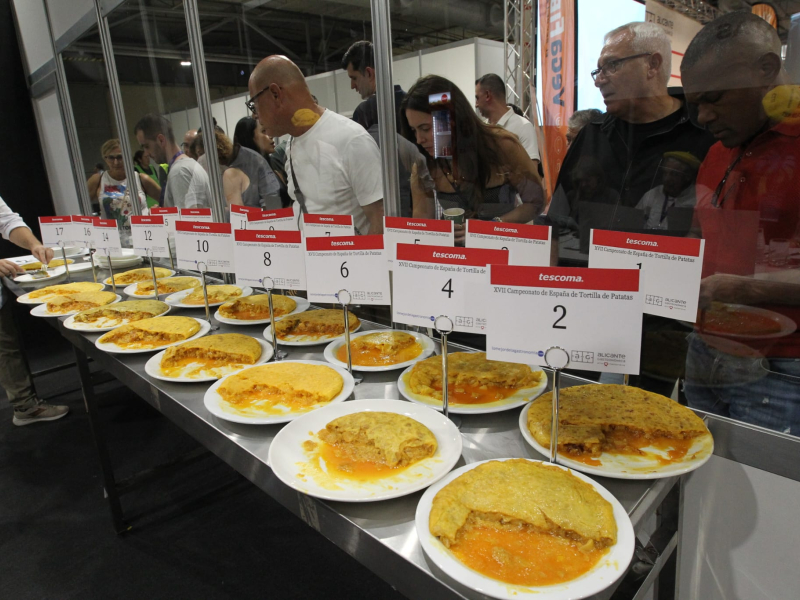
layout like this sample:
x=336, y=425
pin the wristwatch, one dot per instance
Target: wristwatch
x=498, y=220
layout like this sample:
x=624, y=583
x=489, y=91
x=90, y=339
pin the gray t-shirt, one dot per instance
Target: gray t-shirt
x=264, y=188
x=187, y=185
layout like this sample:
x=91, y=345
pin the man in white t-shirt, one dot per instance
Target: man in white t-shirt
x=333, y=165
x=187, y=181
x=490, y=100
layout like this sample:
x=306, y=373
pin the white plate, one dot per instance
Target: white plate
x=786, y=324
x=212, y=399
x=302, y=306
x=176, y=298
x=289, y=460
x=610, y=568
x=131, y=290
x=128, y=258
x=427, y=344
x=107, y=280
x=70, y=323
x=40, y=310
x=205, y=327
x=153, y=366
x=53, y=275
x=517, y=399
x=305, y=342
x=26, y=298
x=624, y=466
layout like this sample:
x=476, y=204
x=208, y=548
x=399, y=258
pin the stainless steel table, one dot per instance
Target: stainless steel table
x=380, y=535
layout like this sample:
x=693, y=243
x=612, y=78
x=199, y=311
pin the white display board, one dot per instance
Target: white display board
x=207, y=243
x=276, y=254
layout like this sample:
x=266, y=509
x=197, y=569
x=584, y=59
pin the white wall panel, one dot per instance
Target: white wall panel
x=32, y=23
x=456, y=64
x=347, y=99
x=405, y=71
x=739, y=534
x=235, y=110
x=65, y=13
x=322, y=87
x=490, y=58
x=193, y=114
x=218, y=112
x=180, y=124
x=56, y=155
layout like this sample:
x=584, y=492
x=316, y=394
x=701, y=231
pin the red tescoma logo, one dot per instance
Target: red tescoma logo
x=444, y=97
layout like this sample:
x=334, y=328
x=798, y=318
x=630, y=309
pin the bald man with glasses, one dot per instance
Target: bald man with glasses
x=643, y=121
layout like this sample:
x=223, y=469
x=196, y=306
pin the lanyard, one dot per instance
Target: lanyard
x=174, y=158
x=715, y=198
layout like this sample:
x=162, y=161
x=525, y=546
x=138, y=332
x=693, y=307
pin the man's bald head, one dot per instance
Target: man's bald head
x=277, y=69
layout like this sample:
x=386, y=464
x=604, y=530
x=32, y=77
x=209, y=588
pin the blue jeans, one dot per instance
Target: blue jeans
x=763, y=392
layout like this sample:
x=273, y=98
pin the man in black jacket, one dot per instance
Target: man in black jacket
x=615, y=158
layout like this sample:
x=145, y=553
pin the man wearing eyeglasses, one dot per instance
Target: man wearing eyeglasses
x=333, y=165
x=748, y=211
x=644, y=120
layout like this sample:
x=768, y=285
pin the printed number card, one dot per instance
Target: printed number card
x=438, y=280
x=275, y=254
x=593, y=314
x=526, y=244
x=83, y=228
x=106, y=237
x=281, y=219
x=429, y=232
x=240, y=214
x=170, y=214
x=150, y=233
x=200, y=215
x=55, y=230
x=354, y=263
x=209, y=243
x=328, y=225
x=671, y=267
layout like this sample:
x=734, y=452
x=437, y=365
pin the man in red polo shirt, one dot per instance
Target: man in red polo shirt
x=745, y=362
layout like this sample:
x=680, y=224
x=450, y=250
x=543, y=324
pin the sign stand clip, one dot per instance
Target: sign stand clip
x=344, y=299
x=66, y=266
x=205, y=294
x=560, y=361
x=444, y=325
x=268, y=285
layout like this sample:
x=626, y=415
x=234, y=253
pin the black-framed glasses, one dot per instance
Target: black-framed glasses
x=251, y=104
x=611, y=66
x=114, y=157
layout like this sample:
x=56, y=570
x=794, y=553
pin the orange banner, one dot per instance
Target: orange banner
x=557, y=32
x=766, y=12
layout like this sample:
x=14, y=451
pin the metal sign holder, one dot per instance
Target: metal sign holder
x=92, y=252
x=149, y=253
x=169, y=249
x=269, y=285
x=205, y=294
x=66, y=266
x=345, y=298
x=444, y=325
x=559, y=363
x=111, y=268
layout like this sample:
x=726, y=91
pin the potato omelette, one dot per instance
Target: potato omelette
x=315, y=324
x=79, y=301
x=617, y=419
x=280, y=388
x=523, y=522
x=252, y=308
x=128, y=311
x=48, y=292
x=56, y=262
x=135, y=275
x=152, y=333
x=372, y=445
x=167, y=285
x=472, y=379
x=382, y=348
x=207, y=354
x=216, y=294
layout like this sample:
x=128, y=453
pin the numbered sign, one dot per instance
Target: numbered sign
x=671, y=267
x=275, y=254
x=438, y=280
x=328, y=225
x=282, y=219
x=56, y=230
x=150, y=233
x=240, y=214
x=526, y=244
x=354, y=263
x=106, y=237
x=209, y=243
x=593, y=314
x=83, y=228
x=198, y=215
x=170, y=215
x=429, y=232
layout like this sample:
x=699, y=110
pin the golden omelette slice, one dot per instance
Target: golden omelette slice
x=152, y=333
x=79, y=301
x=135, y=275
x=216, y=294
x=130, y=310
x=252, y=308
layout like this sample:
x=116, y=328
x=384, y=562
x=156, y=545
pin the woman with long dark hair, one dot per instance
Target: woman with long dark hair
x=249, y=134
x=484, y=170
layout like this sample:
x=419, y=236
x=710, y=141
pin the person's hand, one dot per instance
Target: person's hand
x=42, y=253
x=460, y=232
x=9, y=269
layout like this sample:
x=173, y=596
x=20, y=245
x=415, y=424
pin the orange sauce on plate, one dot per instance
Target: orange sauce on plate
x=202, y=365
x=675, y=449
x=266, y=402
x=470, y=394
x=522, y=557
x=358, y=470
x=372, y=357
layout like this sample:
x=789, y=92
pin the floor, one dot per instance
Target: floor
x=203, y=532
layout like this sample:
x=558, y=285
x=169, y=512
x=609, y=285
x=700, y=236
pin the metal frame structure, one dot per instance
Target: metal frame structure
x=698, y=10
x=519, y=51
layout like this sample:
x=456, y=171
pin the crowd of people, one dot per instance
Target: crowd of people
x=717, y=159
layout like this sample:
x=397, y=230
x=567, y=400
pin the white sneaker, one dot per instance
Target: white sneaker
x=39, y=412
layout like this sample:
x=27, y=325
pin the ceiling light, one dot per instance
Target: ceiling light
x=186, y=63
